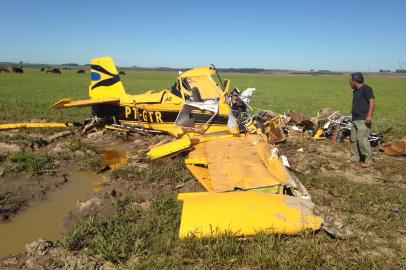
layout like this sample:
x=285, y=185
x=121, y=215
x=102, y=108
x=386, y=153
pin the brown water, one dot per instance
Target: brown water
x=114, y=157
x=43, y=220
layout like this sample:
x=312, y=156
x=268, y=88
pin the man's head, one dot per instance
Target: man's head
x=356, y=80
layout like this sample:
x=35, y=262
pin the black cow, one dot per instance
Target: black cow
x=18, y=70
x=54, y=70
x=121, y=73
x=81, y=71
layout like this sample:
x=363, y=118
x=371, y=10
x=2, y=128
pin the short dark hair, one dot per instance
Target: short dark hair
x=357, y=77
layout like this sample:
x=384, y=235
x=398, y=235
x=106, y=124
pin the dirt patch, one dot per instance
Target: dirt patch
x=43, y=254
x=328, y=159
x=28, y=174
x=8, y=148
x=22, y=188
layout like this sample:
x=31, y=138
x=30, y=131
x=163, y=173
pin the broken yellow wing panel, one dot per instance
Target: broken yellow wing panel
x=202, y=175
x=196, y=161
x=235, y=163
x=172, y=147
x=199, y=139
x=197, y=155
x=277, y=170
x=245, y=213
x=35, y=125
x=69, y=103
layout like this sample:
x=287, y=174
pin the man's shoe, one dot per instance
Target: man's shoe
x=368, y=163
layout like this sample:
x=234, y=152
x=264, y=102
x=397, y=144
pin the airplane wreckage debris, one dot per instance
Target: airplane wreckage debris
x=328, y=124
x=230, y=148
x=395, y=148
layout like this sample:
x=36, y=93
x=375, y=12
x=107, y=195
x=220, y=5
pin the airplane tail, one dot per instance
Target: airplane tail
x=105, y=81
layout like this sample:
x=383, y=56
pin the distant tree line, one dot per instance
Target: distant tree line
x=243, y=70
x=396, y=71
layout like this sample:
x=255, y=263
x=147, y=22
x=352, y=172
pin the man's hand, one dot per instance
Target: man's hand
x=368, y=119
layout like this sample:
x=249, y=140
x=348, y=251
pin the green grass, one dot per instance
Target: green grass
x=139, y=237
x=28, y=96
x=26, y=160
x=86, y=160
x=169, y=170
x=20, y=139
x=146, y=238
x=77, y=144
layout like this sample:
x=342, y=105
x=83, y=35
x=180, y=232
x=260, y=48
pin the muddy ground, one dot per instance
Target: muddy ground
x=321, y=166
x=48, y=160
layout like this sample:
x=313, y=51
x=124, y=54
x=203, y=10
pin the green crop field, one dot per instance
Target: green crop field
x=370, y=202
x=27, y=96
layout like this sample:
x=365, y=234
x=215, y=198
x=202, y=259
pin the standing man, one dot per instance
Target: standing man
x=363, y=104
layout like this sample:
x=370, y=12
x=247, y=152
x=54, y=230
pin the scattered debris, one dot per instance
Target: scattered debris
x=230, y=149
x=274, y=130
x=59, y=135
x=38, y=143
x=395, y=148
x=328, y=124
x=35, y=125
x=333, y=225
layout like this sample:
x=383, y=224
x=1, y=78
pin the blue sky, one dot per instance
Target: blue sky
x=335, y=35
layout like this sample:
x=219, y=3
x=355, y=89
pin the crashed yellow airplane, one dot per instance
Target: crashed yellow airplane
x=249, y=190
x=155, y=110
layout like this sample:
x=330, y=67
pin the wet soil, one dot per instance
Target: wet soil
x=321, y=159
x=50, y=202
x=22, y=190
x=327, y=159
x=44, y=217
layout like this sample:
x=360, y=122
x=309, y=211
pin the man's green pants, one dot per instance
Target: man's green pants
x=360, y=146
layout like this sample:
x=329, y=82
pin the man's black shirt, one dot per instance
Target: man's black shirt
x=360, y=102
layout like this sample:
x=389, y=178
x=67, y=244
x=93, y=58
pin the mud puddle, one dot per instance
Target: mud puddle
x=43, y=220
x=114, y=157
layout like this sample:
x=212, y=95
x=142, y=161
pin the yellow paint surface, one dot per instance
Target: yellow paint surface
x=244, y=213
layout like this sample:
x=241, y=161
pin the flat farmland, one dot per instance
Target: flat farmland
x=28, y=96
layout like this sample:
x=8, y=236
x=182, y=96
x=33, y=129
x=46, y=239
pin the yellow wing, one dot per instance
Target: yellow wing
x=69, y=103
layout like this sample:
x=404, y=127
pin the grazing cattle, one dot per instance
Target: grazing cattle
x=18, y=70
x=54, y=70
x=42, y=69
x=121, y=73
x=4, y=69
x=81, y=71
